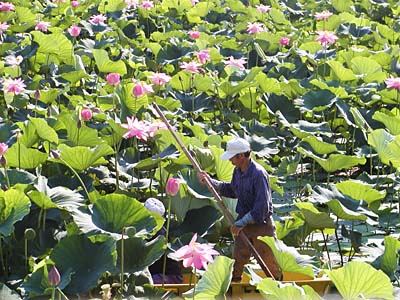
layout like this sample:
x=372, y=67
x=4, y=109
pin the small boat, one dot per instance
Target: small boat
x=245, y=290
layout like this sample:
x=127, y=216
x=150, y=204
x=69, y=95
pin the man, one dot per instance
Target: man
x=250, y=185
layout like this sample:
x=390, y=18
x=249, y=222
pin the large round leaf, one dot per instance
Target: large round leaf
x=113, y=212
x=85, y=260
x=14, y=206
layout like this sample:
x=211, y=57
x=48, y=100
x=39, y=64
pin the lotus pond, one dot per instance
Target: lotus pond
x=314, y=86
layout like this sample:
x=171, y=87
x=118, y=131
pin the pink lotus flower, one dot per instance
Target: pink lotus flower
x=98, y=19
x=254, y=28
x=74, y=4
x=193, y=34
x=323, y=15
x=393, y=83
x=54, y=276
x=152, y=128
x=191, y=66
x=13, y=61
x=141, y=89
x=147, y=4
x=3, y=27
x=237, y=63
x=263, y=8
x=194, y=2
x=6, y=6
x=195, y=254
x=3, y=148
x=86, y=114
x=159, y=78
x=203, y=56
x=284, y=41
x=42, y=26
x=172, y=186
x=113, y=79
x=15, y=86
x=326, y=37
x=131, y=3
x=136, y=128
x=74, y=30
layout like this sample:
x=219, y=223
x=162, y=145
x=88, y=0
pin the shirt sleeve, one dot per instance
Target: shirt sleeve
x=263, y=201
x=224, y=188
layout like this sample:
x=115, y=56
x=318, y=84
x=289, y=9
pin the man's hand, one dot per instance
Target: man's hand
x=203, y=176
x=236, y=230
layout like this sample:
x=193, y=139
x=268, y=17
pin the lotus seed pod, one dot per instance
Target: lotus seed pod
x=30, y=233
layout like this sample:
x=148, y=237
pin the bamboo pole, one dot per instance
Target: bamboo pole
x=217, y=197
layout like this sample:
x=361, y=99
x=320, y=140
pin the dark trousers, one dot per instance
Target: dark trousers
x=242, y=252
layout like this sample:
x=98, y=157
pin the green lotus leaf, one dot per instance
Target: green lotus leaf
x=19, y=156
x=289, y=225
x=370, y=283
x=343, y=213
x=317, y=100
x=106, y=65
x=223, y=168
x=113, y=212
x=7, y=293
x=320, y=146
x=42, y=200
x=342, y=73
x=14, y=206
x=275, y=290
x=335, y=161
x=55, y=45
x=387, y=149
x=215, y=281
x=17, y=176
x=285, y=259
x=368, y=69
x=44, y=131
x=268, y=85
x=389, y=260
x=30, y=136
x=80, y=158
x=85, y=260
x=139, y=254
x=315, y=218
x=360, y=191
x=392, y=122
x=80, y=136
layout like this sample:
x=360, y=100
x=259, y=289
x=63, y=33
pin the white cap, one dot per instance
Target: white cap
x=235, y=146
x=154, y=205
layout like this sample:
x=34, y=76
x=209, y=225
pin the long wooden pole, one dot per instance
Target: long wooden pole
x=217, y=197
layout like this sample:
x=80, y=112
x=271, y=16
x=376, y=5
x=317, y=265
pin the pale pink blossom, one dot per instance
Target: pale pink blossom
x=98, y=19
x=238, y=63
x=141, y=88
x=326, y=37
x=3, y=148
x=136, y=129
x=86, y=114
x=6, y=6
x=191, y=66
x=113, y=79
x=203, y=56
x=132, y=3
x=254, y=28
x=323, y=15
x=284, y=41
x=194, y=34
x=15, y=86
x=152, y=128
x=159, y=78
x=3, y=27
x=195, y=254
x=147, y=4
x=194, y=2
x=263, y=8
x=74, y=30
x=13, y=61
x=74, y=3
x=42, y=26
x=393, y=83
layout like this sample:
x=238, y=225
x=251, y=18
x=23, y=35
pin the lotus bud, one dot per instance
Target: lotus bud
x=3, y=148
x=3, y=161
x=86, y=114
x=54, y=276
x=172, y=186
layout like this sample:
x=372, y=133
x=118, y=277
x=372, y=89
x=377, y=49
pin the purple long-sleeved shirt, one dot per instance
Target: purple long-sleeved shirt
x=252, y=190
